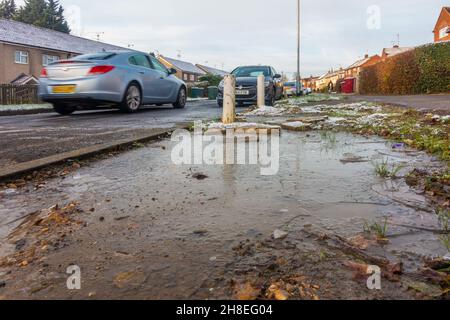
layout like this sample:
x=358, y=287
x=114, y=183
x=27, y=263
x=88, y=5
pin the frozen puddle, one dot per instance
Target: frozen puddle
x=170, y=209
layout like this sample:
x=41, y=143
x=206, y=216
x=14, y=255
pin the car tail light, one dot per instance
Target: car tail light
x=44, y=73
x=97, y=70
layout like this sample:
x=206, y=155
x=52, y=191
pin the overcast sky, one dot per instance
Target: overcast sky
x=239, y=32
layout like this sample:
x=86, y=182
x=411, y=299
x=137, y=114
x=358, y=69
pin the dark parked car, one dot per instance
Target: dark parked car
x=246, y=85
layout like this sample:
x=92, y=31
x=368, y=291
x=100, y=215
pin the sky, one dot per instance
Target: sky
x=226, y=34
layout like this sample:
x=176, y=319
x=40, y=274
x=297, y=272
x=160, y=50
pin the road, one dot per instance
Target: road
x=41, y=135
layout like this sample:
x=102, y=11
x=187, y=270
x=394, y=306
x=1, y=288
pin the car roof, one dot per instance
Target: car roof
x=253, y=67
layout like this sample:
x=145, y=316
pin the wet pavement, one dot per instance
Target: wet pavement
x=149, y=229
x=31, y=137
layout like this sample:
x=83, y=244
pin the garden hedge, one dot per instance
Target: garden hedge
x=425, y=69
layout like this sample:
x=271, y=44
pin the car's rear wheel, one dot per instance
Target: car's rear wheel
x=63, y=109
x=181, y=99
x=132, y=99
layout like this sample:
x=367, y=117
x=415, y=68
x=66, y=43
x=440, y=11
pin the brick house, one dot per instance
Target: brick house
x=310, y=82
x=442, y=29
x=26, y=49
x=330, y=79
x=354, y=70
x=213, y=71
x=186, y=71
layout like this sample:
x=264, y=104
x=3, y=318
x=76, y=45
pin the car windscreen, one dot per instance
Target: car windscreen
x=251, y=71
x=95, y=56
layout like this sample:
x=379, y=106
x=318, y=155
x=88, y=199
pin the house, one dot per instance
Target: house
x=395, y=50
x=26, y=49
x=442, y=29
x=310, y=82
x=329, y=80
x=213, y=71
x=186, y=71
x=354, y=70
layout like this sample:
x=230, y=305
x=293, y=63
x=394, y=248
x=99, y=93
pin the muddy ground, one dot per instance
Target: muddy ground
x=140, y=227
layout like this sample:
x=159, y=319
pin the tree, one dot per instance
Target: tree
x=34, y=12
x=42, y=13
x=55, y=16
x=8, y=9
x=212, y=79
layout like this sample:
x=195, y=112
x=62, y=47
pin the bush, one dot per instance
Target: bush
x=213, y=80
x=425, y=69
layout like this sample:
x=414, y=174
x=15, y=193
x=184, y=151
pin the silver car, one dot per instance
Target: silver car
x=126, y=79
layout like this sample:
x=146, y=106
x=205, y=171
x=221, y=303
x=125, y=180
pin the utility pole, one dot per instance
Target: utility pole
x=298, y=78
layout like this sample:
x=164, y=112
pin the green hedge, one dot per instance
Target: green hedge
x=425, y=69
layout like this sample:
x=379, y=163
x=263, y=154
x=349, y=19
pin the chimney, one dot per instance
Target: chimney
x=366, y=56
x=396, y=46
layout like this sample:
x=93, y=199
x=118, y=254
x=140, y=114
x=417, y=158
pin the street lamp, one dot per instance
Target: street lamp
x=298, y=78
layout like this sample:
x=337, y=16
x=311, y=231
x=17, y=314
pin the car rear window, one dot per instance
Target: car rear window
x=96, y=56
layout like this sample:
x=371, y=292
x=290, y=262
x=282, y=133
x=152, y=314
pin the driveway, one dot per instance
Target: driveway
x=440, y=102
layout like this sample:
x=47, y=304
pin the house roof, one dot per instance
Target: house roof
x=396, y=50
x=29, y=35
x=359, y=63
x=445, y=10
x=183, y=65
x=214, y=71
x=362, y=62
x=330, y=74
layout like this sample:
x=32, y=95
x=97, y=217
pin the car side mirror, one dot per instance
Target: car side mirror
x=277, y=76
x=172, y=71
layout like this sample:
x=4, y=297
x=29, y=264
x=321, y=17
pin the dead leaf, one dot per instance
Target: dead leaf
x=131, y=279
x=246, y=292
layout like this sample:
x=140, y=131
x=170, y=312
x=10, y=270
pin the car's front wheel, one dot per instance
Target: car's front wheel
x=132, y=99
x=181, y=99
x=63, y=109
x=271, y=101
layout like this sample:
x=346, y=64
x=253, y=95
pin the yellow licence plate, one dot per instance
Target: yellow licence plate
x=64, y=89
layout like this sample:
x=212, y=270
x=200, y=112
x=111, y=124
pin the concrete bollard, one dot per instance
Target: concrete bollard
x=261, y=101
x=229, y=99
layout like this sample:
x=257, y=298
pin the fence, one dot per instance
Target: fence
x=18, y=94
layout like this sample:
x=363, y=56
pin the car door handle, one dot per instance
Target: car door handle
x=141, y=72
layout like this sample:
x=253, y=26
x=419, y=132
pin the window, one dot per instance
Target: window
x=251, y=71
x=141, y=61
x=21, y=57
x=192, y=78
x=185, y=77
x=443, y=32
x=47, y=59
x=158, y=65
